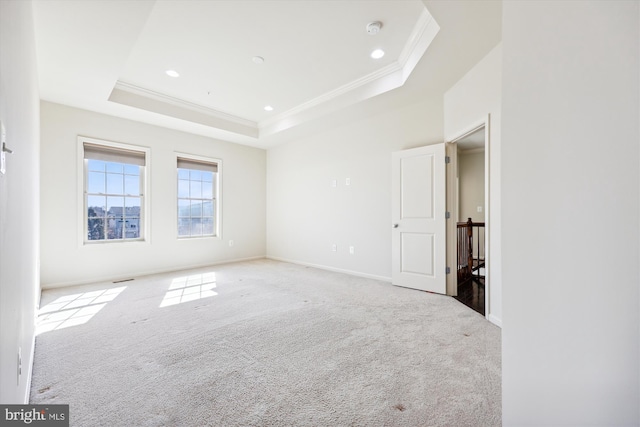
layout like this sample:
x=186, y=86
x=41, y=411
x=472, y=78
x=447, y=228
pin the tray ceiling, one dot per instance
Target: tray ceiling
x=112, y=57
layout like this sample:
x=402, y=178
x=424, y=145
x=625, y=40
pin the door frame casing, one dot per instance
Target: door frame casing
x=452, y=208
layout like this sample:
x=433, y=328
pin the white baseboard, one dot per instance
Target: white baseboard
x=335, y=270
x=495, y=320
x=29, y=364
x=146, y=273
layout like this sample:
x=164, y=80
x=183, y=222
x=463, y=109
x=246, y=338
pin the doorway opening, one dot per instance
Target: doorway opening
x=468, y=196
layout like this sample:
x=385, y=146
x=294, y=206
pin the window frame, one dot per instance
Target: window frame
x=217, y=196
x=82, y=192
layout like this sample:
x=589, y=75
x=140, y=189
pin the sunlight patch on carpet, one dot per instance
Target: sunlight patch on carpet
x=73, y=310
x=190, y=288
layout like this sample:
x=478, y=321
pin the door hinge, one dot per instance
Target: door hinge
x=447, y=159
x=448, y=270
x=447, y=215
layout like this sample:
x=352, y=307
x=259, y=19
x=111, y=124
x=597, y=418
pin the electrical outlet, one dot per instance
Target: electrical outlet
x=351, y=250
x=334, y=248
x=19, y=364
x=347, y=181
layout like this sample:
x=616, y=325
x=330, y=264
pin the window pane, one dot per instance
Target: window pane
x=207, y=176
x=183, y=173
x=132, y=207
x=96, y=182
x=97, y=204
x=196, y=208
x=95, y=229
x=207, y=226
x=183, y=208
x=184, y=227
x=196, y=226
x=115, y=206
x=114, y=228
x=96, y=165
x=115, y=183
x=195, y=175
x=132, y=228
x=207, y=209
x=115, y=167
x=207, y=190
x=132, y=203
x=131, y=184
x=196, y=189
x=183, y=189
x=132, y=169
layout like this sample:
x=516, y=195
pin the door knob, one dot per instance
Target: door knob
x=395, y=225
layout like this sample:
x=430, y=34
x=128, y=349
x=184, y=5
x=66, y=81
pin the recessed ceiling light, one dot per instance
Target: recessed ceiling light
x=257, y=59
x=172, y=73
x=377, y=54
x=268, y=108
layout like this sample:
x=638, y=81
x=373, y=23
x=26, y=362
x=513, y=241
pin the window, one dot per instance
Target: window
x=113, y=192
x=197, y=197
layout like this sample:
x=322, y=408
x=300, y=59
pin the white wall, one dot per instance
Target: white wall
x=466, y=105
x=570, y=172
x=471, y=179
x=66, y=261
x=306, y=215
x=19, y=202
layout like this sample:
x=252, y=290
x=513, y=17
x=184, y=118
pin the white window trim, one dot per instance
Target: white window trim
x=82, y=223
x=218, y=193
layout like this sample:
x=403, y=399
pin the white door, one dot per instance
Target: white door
x=419, y=223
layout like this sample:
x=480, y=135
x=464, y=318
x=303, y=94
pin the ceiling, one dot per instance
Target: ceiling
x=112, y=57
x=473, y=141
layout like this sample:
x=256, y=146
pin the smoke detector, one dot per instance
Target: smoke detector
x=373, y=28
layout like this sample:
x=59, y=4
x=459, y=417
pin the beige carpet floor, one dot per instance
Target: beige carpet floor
x=265, y=343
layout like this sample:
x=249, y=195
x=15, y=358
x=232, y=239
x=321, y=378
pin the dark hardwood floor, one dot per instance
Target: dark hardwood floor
x=471, y=294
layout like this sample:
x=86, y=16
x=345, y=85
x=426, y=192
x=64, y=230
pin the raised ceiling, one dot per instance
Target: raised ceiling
x=111, y=57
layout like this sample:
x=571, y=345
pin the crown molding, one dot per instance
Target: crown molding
x=328, y=96
x=144, y=99
x=413, y=42
x=423, y=34
x=147, y=93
